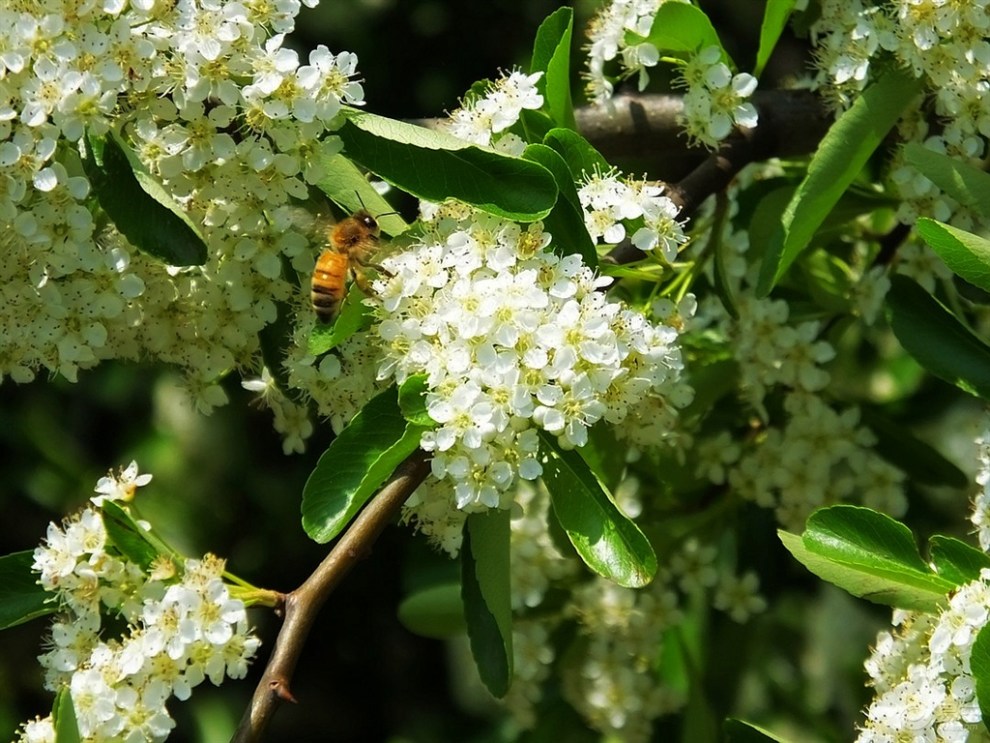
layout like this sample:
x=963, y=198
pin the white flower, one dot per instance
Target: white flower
x=512, y=339
x=121, y=487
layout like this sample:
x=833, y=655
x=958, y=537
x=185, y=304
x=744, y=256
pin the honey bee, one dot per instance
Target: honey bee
x=352, y=242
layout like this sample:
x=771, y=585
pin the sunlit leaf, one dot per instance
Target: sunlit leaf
x=355, y=465
x=433, y=165
x=868, y=554
x=605, y=538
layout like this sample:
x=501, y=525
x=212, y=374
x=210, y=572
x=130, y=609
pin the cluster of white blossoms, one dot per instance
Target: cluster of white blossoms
x=611, y=203
x=923, y=682
x=180, y=627
x=608, y=673
x=819, y=456
x=513, y=339
x=947, y=46
x=222, y=114
x=607, y=40
x=981, y=504
x=484, y=119
x=715, y=100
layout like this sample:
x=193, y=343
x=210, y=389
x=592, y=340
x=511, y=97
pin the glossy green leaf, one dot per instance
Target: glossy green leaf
x=739, y=731
x=412, y=401
x=580, y=156
x=936, y=339
x=968, y=255
x=965, y=183
x=838, y=161
x=433, y=165
x=775, y=18
x=436, y=612
x=552, y=56
x=136, y=543
x=979, y=662
x=355, y=465
x=354, y=316
x=679, y=27
x=957, y=561
x=64, y=718
x=348, y=187
x=605, y=538
x=919, y=461
x=868, y=554
x=487, y=597
x=139, y=206
x=21, y=597
x=566, y=220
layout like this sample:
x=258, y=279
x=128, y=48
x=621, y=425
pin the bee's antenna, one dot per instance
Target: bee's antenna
x=377, y=216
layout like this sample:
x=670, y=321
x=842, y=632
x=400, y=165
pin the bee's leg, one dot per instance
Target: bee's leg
x=361, y=280
x=377, y=267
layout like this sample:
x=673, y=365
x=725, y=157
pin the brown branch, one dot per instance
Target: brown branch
x=791, y=123
x=303, y=604
x=644, y=130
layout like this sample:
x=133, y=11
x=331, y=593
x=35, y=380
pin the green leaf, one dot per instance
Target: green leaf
x=435, y=166
x=936, y=339
x=349, y=189
x=487, y=596
x=868, y=554
x=968, y=185
x=968, y=255
x=412, y=401
x=957, y=561
x=552, y=56
x=739, y=731
x=64, y=718
x=140, y=207
x=774, y=21
x=566, y=220
x=436, y=612
x=979, y=662
x=21, y=597
x=608, y=541
x=919, y=461
x=354, y=316
x=840, y=157
x=355, y=465
x=679, y=27
x=580, y=156
x=134, y=542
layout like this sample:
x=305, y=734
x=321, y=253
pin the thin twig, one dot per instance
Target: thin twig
x=303, y=604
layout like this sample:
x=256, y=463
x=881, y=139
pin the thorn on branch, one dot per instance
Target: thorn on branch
x=280, y=688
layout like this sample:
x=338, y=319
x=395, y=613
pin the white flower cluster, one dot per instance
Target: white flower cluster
x=484, y=120
x=611, y=203
x=613, y=685
x=981, y=504
x=223, y=115
x=947, y=45
x=607, y=40
x=180, y=630
x=512, y=339
x=716, y=100
x=820, y=456
x=535, y=565
x=921, y=675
